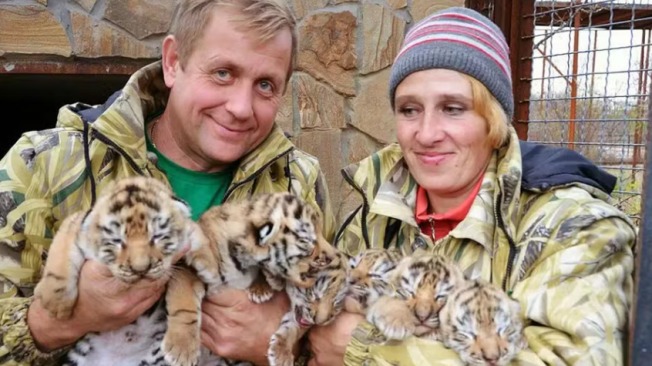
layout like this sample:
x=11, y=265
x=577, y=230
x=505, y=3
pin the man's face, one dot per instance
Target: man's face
x=224, y=101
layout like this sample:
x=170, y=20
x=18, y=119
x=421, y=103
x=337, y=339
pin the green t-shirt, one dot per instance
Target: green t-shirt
x=200, y=190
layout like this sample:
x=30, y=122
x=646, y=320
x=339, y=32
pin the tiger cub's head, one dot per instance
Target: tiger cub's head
x=482, y=324
x=135, y=228
x=276, y=231
x=320, y=303
x=425, y=281
x=369, y=278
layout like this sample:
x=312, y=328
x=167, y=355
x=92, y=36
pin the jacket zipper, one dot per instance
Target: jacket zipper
x=255, y=174
x=512, y=245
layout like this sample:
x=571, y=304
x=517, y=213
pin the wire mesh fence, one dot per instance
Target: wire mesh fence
x=589, y=85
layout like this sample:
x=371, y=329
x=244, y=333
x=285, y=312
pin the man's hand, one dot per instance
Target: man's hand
x=104, y=303
x=328, y=343
x=235, y=328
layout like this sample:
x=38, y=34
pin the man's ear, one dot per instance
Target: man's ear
x=170, y=60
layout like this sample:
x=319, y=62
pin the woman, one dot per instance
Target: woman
x=535, y=221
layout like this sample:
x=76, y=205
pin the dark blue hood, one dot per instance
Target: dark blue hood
x=545, y=167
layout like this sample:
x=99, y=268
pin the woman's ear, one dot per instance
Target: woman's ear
x=170, y=60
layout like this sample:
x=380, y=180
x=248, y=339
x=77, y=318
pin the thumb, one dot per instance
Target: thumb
x=96, y=269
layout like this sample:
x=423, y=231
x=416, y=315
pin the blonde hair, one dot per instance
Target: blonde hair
x=264, y=17
x=488, y=107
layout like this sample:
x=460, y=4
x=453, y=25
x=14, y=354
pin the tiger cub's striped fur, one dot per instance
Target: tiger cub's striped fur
x=422, y=283
x=258, y=244
x=135, y=228
x=314, y=305
x=261, y=245
x=426, y=295
x=482, y=324
x=369, y=278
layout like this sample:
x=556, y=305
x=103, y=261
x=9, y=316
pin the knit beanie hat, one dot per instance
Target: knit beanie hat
x=462, y=40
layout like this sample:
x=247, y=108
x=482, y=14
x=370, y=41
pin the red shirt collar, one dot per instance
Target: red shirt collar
x=456, y=214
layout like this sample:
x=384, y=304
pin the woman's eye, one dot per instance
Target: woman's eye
x=454, y=110
x=407, y=111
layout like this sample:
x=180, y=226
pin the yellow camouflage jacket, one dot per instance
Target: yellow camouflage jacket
x=50, y=174
x=548, y=237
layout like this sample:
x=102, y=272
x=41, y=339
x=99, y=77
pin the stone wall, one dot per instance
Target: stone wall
x=336, y=107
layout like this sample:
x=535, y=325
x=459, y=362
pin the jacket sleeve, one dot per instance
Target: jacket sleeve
x=575, y=298
x=24, y=222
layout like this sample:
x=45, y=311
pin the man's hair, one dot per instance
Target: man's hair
x=266, y=18
x=488, y=107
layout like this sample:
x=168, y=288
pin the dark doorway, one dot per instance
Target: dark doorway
x=34, y=99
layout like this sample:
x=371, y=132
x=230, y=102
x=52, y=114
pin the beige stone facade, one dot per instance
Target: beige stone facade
x=336, y=107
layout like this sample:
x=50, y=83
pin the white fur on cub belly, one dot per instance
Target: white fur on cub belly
x=130, y=345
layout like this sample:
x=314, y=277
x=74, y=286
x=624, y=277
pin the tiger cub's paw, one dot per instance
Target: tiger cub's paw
x=394, y=325
x=279, y=352
x=260, y=292
x=180, y=349
x=56, y=298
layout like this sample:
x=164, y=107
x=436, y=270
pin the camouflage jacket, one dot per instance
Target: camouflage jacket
x=556, y=245
x=50, y=174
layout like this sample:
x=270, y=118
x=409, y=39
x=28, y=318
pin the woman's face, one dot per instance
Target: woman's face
x=443, y=139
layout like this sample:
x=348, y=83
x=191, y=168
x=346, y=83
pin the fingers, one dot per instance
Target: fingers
x=228, y=298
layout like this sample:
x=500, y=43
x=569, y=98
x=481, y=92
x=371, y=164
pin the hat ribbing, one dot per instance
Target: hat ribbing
x=462, y=40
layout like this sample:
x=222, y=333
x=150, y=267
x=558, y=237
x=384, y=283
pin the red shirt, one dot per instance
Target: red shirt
x=445, y=222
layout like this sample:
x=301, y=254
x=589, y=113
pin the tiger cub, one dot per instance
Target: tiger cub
x=369, y=278
x=421, y=285
x=136, y=228
x=482, y=324
x=314, y=305
x=261, y=245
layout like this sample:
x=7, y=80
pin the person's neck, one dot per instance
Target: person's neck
x=443, y=203
x=166, y=142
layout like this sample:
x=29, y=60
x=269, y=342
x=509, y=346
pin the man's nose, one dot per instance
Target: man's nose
x=240, y=101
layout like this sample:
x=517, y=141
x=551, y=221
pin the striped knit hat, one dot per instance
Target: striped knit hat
x=458, y=39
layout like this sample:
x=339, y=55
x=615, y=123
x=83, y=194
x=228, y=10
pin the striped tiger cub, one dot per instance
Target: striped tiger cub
x=136, y=228
x=426, y=295
x=314, y=305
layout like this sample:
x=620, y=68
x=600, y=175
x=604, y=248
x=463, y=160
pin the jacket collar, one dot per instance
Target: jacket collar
x=394, y=193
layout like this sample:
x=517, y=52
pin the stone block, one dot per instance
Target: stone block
x=142, y=18
x=327, y=49
x=397, y=4
x=304, y=7
x=383, y=34
x=423, y=8
x=285, y=115
x=326, y=146
x=86, y=4
x=32, y=30
x=319, y=106
x=93, y=39
x=372, y=111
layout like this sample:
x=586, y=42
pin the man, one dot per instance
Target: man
x=201, y=119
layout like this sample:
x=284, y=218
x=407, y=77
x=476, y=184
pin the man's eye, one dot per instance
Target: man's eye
x=266, y=86
x=223, y=74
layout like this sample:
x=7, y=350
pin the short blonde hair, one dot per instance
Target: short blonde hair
x=264, y=17
x=488, y=107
